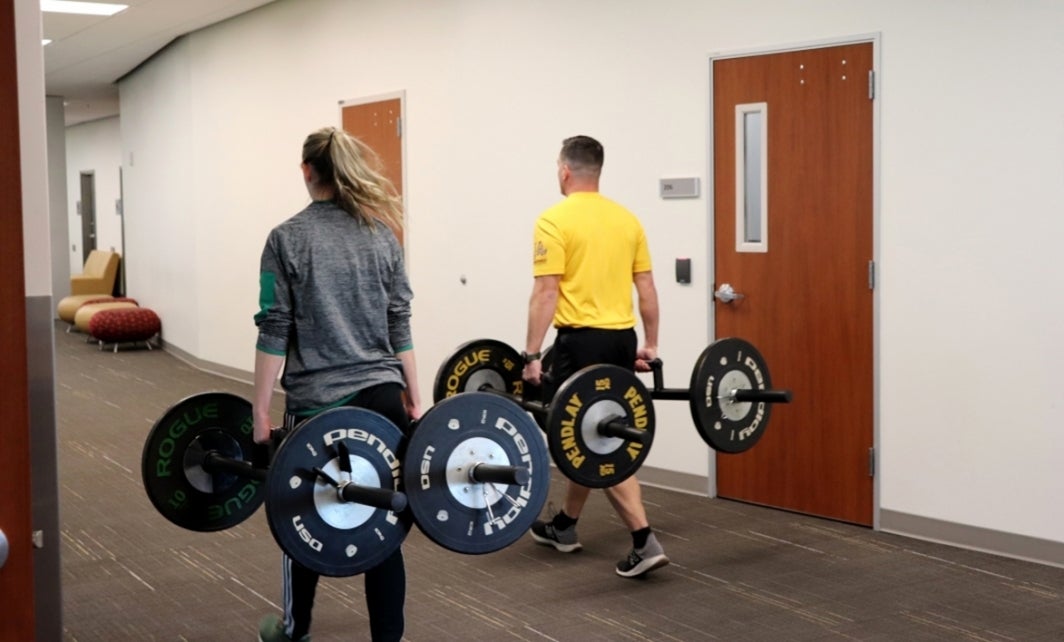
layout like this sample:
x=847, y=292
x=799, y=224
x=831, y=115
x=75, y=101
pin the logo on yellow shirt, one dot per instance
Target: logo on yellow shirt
x=540, y=254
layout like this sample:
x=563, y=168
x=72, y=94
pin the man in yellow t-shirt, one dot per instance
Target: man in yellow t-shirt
x=587, y=253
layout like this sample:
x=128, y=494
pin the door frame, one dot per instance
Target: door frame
x=877, y=64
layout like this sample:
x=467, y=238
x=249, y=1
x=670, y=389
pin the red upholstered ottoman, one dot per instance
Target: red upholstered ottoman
x=124, y=325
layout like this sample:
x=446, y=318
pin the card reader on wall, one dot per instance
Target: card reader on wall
x=683, y=270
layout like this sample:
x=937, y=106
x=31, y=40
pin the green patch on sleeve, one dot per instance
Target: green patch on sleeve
x=266, y=294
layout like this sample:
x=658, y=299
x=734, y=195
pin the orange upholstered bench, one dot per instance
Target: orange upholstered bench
x=124, y=325
x=84, y=314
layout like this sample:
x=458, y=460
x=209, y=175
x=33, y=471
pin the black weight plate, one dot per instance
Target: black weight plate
x=727, y=364
x=310, y=522
x=178, y=486
x=452, y=436
x=585, y=399
x=479, y=363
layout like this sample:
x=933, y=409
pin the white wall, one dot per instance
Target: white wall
x=970, y=164
x=59, y=224
x=94, y=147
x=164, y=216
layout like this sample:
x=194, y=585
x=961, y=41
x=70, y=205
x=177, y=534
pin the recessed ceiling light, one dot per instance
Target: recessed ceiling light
x=45, y=42
x=85, y=8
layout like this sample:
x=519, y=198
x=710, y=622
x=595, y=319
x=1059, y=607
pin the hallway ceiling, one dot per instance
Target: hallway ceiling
x=89, y=53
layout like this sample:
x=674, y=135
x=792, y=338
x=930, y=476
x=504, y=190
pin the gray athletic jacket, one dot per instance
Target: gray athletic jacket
x=335, y=301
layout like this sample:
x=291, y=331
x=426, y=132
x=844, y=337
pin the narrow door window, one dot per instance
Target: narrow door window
x=751, y=177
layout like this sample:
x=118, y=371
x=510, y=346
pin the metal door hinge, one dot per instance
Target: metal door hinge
x=871, y=84
x=871, y=275
x=38, y=539
x=399, y=127
x=872, y=462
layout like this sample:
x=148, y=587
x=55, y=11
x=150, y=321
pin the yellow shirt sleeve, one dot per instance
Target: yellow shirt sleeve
x=548, y=251
x=641, y=263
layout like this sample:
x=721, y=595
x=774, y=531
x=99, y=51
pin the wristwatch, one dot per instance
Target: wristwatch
x=530, y=357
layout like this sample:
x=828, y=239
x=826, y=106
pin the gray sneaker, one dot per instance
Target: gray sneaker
x=643, y=560
x=563, y=540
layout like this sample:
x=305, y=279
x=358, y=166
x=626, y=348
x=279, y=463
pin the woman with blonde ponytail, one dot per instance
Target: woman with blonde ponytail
x=334, y=312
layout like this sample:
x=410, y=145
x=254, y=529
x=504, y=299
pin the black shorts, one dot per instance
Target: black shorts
x=576, y=348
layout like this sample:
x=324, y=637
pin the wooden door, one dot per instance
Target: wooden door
x=16, y=575
x=804, y=274
x=379, y=125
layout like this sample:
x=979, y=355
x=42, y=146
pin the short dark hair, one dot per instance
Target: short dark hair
x=583, y=154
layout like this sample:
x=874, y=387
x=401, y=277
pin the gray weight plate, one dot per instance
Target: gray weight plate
x=306, y=515
x=451, y=438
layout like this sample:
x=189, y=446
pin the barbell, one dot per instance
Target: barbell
x=730, y=394
x=599, y=423
x=340, y=497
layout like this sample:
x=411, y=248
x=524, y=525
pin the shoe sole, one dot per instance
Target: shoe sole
x=644, y=567
x=564, y=548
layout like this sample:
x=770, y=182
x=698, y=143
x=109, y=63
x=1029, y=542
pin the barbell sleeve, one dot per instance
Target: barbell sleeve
x=214, y=462
x=767, y=396
x=613, y=426
x=374, y=496
x=492, y=474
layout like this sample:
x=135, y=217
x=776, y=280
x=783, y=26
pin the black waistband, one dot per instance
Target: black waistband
x=570, y=330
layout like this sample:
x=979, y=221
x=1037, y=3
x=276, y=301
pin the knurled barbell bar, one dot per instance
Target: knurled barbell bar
x=599, y=423
x=730, y=396
x=334, y=490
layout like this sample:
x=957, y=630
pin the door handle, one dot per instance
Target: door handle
x=726, y=293
x=3, y=548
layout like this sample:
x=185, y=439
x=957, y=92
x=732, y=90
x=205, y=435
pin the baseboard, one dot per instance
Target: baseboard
x=236, y=374
x=1023, y=547
x=672, y=480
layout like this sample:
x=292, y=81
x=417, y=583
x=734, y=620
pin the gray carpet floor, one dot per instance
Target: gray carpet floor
x=738, y=572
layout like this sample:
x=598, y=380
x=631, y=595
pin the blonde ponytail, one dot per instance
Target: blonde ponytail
x=353, y=169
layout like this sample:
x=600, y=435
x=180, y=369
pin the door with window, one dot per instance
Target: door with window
x=793, y=207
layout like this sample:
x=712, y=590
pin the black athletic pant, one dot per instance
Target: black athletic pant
x=385, y=583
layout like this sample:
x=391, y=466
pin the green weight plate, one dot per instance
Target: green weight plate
x=176, y=482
